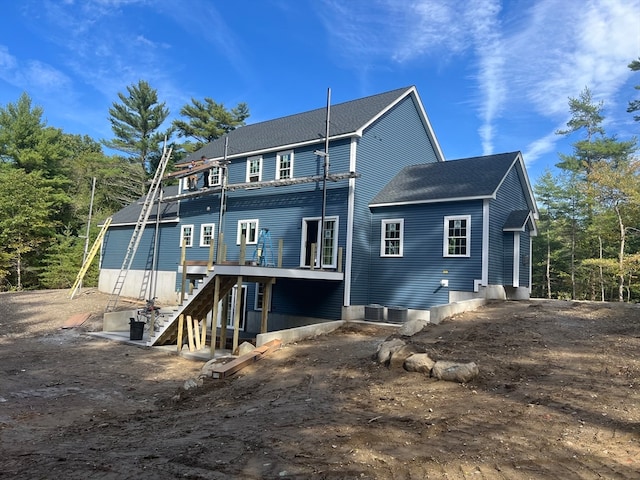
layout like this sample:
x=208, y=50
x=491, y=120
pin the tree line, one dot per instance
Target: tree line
x=588, y=246
x=588, y=243
x=47, y=175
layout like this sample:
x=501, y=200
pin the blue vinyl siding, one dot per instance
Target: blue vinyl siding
x=397, y=139
x=510, y=196
x=307, y=298
x=413, y=281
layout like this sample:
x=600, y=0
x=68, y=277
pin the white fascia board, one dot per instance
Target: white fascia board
x=437, y=200
x=290, y=146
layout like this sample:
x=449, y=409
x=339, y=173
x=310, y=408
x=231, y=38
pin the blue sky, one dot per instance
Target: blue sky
x=494, y=76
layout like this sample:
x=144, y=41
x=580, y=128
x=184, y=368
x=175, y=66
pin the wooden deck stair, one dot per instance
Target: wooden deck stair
x=198, y=305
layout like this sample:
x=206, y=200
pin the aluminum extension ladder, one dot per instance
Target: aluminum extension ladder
x=136, y=236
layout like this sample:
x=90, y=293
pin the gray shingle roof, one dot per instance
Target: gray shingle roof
x=517, y=220
x=475, y=177
x=130, y=213
x=346, y=118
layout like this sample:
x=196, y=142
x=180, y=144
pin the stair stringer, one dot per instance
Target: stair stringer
x=193, y=306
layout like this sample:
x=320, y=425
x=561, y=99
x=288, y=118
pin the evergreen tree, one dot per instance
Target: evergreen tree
x=136, y=121
x=634, y=105
x=208, y=120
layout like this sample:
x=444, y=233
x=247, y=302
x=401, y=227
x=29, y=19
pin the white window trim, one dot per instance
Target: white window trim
x=182, y=229
x=249, y=160
x=445, y=243
x=383, y=237
x=257, y=302
x=238, y=237
x=278, y=159
x=211, y=182
x=213, y=233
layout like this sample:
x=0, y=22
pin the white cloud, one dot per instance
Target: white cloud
x=31, y=76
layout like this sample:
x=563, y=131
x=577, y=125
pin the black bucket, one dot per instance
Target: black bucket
x=136, y=329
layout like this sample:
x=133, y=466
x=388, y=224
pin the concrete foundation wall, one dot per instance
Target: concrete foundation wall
x=298, y=333
x=440, y=312
x=165, y=288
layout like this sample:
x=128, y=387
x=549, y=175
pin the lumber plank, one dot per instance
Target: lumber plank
x=190, y=333
x=76, y=320
x=196, y=333
x=229, y=368
x=180, y=331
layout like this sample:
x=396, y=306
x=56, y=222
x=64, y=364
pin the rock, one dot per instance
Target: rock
x=419, y=362
x=245, y=347
x=455, y=372
x=412, y=327
x=399, y=355
x=386, y=349
x=192, y=383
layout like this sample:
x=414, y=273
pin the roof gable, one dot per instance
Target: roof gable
x=463, y=179
x=347, y=118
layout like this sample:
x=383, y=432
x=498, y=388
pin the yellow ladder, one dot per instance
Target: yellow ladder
x=92, y=253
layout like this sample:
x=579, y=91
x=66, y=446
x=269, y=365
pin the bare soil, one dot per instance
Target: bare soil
x=557, y=397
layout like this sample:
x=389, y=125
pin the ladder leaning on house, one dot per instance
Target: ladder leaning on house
x=264, y=249
x=92, y=253
x=136, y=236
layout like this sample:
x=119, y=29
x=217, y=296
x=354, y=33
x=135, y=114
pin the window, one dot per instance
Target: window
x=311, y=236
x=391, y=243
x=259, y=297
x=284, y=165
x=254, y=169
x=186, y=235
x=248, y=228
x=206, y=234
x=214, y=176
x=457, y=236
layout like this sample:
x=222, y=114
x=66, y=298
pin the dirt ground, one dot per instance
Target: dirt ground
x=557, y=397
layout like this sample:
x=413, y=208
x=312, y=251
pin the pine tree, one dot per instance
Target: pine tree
x=136, y=122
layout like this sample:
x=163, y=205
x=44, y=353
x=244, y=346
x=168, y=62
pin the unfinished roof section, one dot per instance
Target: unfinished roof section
x=347, y=119
x=129, y=215
x=464, y=179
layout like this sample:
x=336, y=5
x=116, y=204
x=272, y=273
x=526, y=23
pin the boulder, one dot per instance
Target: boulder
x=412, y=327
x=387, y=348
x=419, y=362
x=399, y=355
x=245, y=347
x=454, y=372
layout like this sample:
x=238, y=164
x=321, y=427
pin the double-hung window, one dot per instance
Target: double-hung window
x=186, y=235
x=392, y=241
x=214, y=176
x=284, y=165
x=206, y=234
x=254, y=169
x=457, y=236
x=248, y=228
